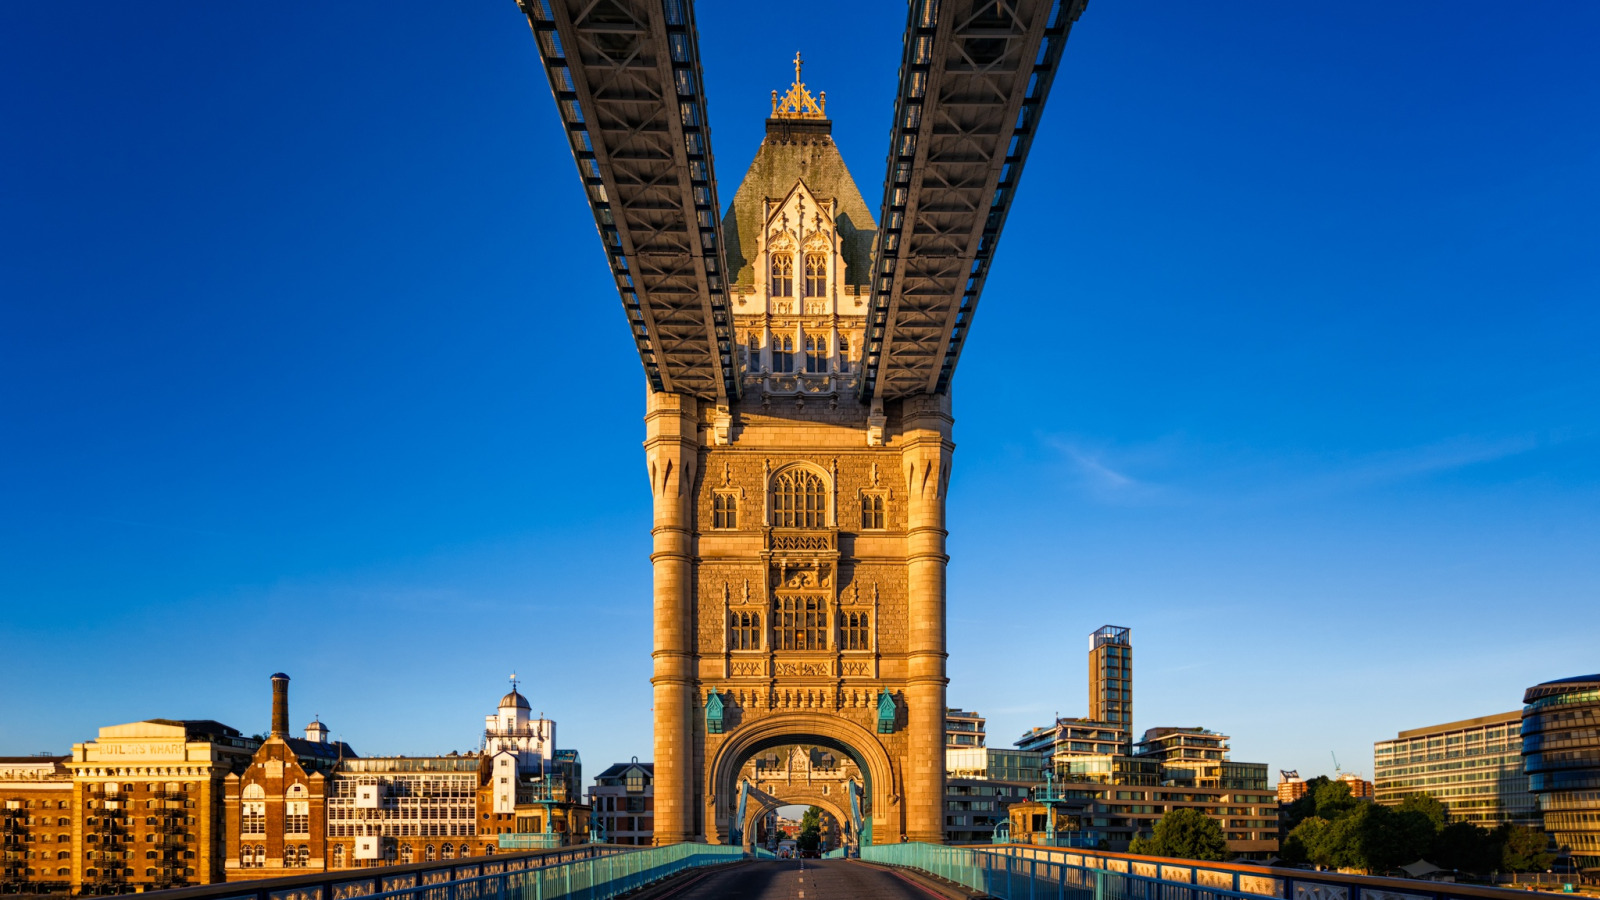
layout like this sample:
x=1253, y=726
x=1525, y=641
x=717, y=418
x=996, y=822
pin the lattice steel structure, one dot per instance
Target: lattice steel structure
x=973, y=83
x=626, y=78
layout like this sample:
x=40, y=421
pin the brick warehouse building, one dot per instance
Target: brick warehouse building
x=306, y=805
x=36, y=824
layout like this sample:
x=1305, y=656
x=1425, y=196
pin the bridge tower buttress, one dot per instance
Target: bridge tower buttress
x=672, y=453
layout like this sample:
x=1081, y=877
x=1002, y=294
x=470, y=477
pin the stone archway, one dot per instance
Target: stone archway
x=754, y=814
x=882, y=787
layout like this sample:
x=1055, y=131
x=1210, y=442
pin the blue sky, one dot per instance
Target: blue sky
x=310, y=362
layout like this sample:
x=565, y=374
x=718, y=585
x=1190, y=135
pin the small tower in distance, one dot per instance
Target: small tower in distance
x=1111, y=681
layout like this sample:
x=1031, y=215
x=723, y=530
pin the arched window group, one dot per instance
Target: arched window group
x=800, y=622
x=405, y=853
x=872, y=512
x=252, y=857
x=338, y=856
x=724, y=511
x=447, y=852
x=799, y=500
x=816, y=275
x=428, y=853
x=855, y=631
x=744, y=631
x=783, y=274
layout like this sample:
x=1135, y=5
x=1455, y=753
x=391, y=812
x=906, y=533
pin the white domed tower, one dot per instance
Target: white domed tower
x=518, y=746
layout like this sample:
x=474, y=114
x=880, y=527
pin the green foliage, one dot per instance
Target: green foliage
x=1305, y=807
x=811, y=820
x=1143, y=846
x=1427, y=805
x=1340, y=832
x=1186, y=834
x=1524, y=849
x=809, y=841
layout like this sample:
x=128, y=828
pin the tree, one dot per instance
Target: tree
x=1525, y=850
x=1186, y=834
x=1333, y=800
x=1306, y=806
x=1427, y=805
x=1467, y=848
x=811, y=820
x=1307, y=843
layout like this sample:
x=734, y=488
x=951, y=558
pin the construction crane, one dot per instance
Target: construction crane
x=1337, y=772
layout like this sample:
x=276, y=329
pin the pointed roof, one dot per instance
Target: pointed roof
x=798, y=147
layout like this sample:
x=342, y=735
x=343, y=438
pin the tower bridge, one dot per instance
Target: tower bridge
x=799, y=349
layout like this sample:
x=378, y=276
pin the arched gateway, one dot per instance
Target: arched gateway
x=799, y=532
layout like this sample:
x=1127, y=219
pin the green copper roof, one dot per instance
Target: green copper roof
x=794, y=151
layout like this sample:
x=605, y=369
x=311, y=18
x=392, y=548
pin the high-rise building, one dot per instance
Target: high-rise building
x=1360, y=788
x=1473, y=767
x=962, y=729
x=1561, y=755
x=1111, y=680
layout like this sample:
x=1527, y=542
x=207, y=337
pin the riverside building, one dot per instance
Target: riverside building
x=1473, y=767
x=36, y=824
x=1561, y=754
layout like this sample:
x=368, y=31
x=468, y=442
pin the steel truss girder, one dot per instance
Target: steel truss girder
x=627, y=83
x=974, y=78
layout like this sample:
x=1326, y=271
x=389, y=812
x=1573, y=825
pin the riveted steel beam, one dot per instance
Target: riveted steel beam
x=974, y=78
x=627, y=84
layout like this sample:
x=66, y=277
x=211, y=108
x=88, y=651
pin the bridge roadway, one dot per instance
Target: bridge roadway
x=811, y=879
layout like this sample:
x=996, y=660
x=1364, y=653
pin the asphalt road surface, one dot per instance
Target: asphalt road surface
x=811, y=879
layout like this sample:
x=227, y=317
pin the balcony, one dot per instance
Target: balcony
x=802, y=541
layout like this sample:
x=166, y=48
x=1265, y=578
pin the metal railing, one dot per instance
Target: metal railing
x=590, y=872
x=1029, y=872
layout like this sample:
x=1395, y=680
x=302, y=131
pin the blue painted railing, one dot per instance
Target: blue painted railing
x=837, y=853
x=1031, y=872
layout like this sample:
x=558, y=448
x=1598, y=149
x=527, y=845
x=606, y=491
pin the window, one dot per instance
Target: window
x=799, y=622
x=254, y=819
x=428, y=853
x=338, y=856
x=297, y=818
x=844, y=354
x=855, y=631
x=447, y=852
x=816, y=353
x=724, y=511
x=744, y=631
x=872, y=512
x=405, y=854
x=816, y=275
x=752, y=351
x=783, y=274
x=782, y=353
x=799, y=500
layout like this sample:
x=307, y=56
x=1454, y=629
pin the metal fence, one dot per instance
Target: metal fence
x=589, y=873
x=1038, y=876
x=1025, y=872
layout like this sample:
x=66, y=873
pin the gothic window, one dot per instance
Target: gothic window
x=800, y=622
x=816, y=353
x=799, y=500
x=744, y=631
x=783, y=274
x=782, y=353
x=816, y=275
x=855, y=631
x=752, y=351
x=844, y=353
x=872, y=512
x=724, y=510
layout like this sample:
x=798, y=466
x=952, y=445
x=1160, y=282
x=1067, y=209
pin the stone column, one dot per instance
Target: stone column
x=927, y=456
x=672, y=452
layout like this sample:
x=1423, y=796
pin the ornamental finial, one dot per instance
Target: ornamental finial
x=798, y=102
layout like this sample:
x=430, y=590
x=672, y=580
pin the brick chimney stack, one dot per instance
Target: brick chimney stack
x=280, y=705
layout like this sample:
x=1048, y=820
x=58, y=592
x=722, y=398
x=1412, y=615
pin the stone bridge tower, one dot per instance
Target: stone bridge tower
x=799, y=534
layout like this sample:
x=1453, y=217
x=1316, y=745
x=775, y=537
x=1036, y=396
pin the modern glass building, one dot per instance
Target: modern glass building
x=1473, y=767
x=1111, y=680
x=1561, y=753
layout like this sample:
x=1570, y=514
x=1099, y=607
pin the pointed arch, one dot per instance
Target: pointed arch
x=799, y=496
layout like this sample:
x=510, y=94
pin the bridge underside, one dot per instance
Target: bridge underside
x=798, y=436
